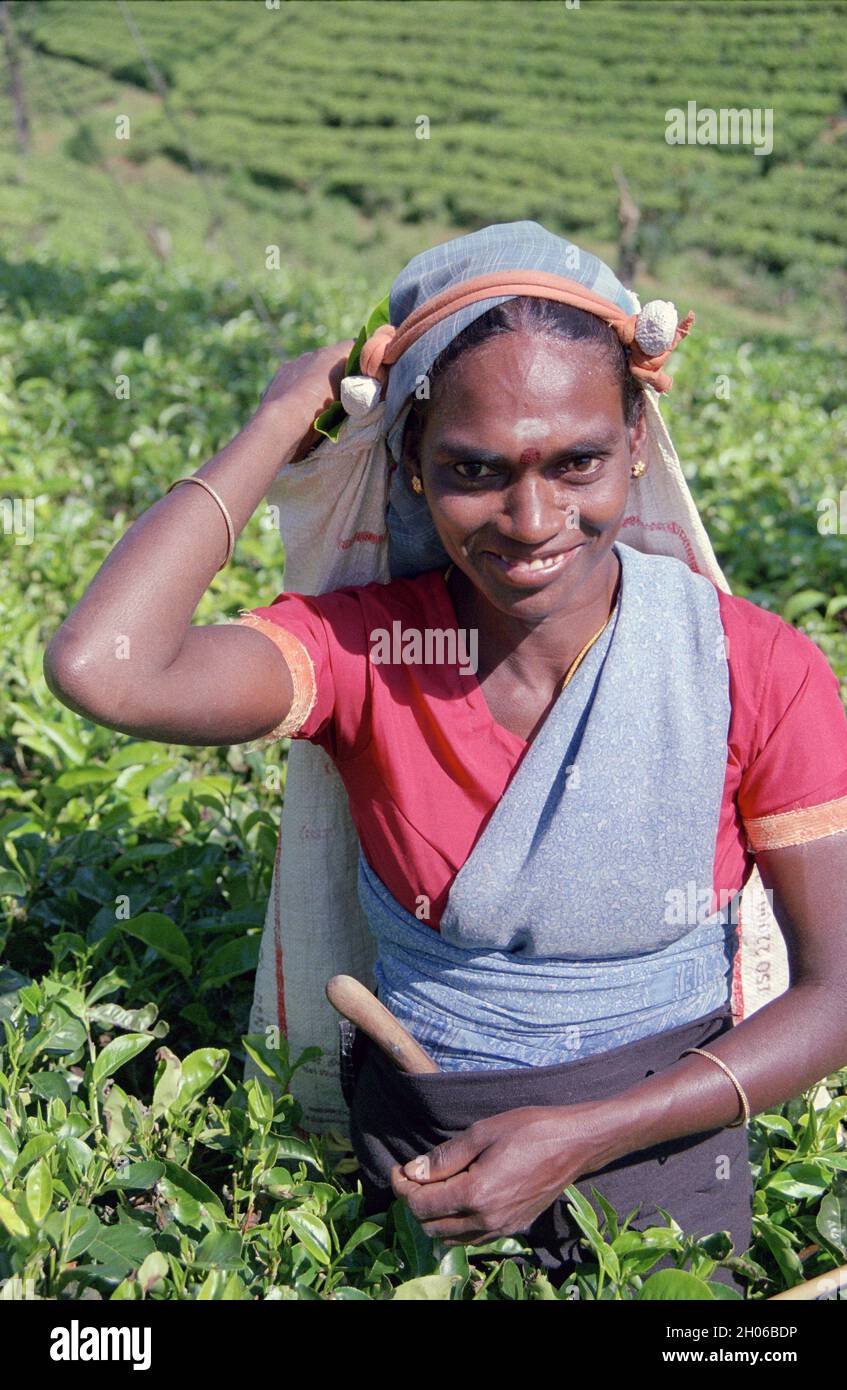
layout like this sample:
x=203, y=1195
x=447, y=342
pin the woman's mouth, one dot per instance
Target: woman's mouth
x=529, y=572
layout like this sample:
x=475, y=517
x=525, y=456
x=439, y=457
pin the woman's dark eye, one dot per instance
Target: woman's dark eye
x=472, y=476
x=588, y=464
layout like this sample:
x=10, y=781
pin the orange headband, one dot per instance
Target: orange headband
x=388, y=343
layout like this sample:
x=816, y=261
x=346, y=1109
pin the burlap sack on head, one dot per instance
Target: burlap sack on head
x=331, y=511
x=664, y=520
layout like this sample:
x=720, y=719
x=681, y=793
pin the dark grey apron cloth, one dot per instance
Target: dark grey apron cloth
x=395, y=1116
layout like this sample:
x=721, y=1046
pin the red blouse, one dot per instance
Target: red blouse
x=424, y=762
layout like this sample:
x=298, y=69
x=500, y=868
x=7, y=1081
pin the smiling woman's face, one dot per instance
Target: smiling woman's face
x=525, y=459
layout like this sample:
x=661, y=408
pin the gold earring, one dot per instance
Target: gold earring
x=638, y=468
x=416, y=483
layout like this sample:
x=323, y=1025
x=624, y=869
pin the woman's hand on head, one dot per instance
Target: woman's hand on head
x=189, y=683
x=308, y=384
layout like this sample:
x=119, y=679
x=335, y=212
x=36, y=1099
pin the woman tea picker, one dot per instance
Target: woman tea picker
x=630, y=729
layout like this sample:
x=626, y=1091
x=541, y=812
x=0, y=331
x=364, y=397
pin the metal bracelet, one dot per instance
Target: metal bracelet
x=745, y=1116
x=230, y=529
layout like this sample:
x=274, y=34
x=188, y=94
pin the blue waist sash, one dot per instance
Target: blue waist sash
x=484, y=1008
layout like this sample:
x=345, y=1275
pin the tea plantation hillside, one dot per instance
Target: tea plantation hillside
x=306, y=122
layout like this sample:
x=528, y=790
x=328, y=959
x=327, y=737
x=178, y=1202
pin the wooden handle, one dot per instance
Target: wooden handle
x=824, y=1286
x=350, y=997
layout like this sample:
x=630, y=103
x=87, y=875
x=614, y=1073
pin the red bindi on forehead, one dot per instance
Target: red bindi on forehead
x=530, y=456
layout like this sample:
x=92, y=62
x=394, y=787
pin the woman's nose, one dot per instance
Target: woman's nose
x=532, y=511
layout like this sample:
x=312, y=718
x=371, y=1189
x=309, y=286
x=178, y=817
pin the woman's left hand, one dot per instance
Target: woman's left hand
x=495, y=1178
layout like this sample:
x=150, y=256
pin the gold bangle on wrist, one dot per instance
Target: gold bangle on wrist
x=745, y=1115
x=230, y=529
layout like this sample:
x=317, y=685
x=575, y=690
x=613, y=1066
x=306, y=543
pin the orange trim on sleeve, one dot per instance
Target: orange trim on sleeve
x=797, y=827
x=302, y=669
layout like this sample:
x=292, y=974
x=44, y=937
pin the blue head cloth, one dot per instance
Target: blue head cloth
x=414, y=545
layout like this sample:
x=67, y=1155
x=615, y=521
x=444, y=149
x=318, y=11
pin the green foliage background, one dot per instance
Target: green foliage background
x=304, y=119
x=178, y=1181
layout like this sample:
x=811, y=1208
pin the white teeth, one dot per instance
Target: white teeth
x=532, y=564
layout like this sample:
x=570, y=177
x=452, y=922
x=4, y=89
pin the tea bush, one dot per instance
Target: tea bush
x=305, y=120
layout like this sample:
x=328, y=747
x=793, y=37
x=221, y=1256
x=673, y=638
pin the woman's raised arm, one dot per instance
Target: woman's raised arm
x=127, y=656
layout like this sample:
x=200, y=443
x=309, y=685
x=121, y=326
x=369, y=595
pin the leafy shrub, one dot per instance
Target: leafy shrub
x=209, y=1189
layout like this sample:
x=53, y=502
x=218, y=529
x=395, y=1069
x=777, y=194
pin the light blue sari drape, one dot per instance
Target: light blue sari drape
x=581, y=920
